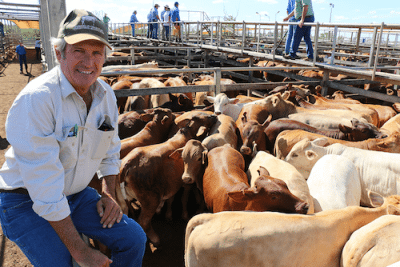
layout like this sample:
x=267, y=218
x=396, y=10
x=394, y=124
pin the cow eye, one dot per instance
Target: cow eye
x=294, y=155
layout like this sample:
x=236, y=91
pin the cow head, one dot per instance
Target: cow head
x=269, y=194
x=361, y=131
x=194, y=155
x=306, y=153
x=221, y=103
x=253, y=134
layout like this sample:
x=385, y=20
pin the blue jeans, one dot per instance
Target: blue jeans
x=166, y=32
x=154, y=31
x=22, y=60
x=299, y=33
x=41, y=244
x=289, y=37
x=150, y=30
x=133, y=29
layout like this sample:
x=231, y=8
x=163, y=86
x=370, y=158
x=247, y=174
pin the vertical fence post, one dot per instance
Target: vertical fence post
x=371, y=53
x=377, y=52
x=316, y=35
x=243, y=35
x=133, y=56
x=334, y=45
x=217, y=80
x=275, y=40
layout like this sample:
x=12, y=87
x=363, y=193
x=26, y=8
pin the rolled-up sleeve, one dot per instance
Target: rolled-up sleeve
x=30, y=131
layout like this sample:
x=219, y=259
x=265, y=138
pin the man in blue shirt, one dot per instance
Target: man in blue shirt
x=132, y=21
x=22, y=57
x=289, y=38
x=150, y=27
x=175, y=19
x=154, y=18
x=166, y=7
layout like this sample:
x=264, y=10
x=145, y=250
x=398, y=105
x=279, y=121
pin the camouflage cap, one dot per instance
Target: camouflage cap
x=81, y=25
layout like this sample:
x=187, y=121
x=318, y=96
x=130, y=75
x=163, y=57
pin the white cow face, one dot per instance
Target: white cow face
x=305, y=154
x=221, y=103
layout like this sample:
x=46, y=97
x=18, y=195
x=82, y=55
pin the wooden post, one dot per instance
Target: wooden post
x=334, y=45
x=377, y=52
x=51, y=14
x=325, y=78
x=217, y=81
x=358, y=40
x=371, y=53
x=133, y=56
x=250, y=74
x=316, y=43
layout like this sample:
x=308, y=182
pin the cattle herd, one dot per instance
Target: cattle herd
x=289, y=179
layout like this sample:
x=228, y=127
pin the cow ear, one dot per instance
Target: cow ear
x=311, y=154
x=286, y=95
x=177, y=154
x=204, y=157
x=244, y=117
x=164, y=119
x=267, y=121
x=240, y=196
x=376, y=200
x=263, y=171
x=344, y=128
x=323, y=141
x=210, y=99
x=181, y=98
x=233, y=100
x=202, y=131
x=147, y=117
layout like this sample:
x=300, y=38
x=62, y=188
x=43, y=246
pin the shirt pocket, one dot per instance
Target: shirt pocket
x=101, y=142
x=69, y=147
x=101, y=138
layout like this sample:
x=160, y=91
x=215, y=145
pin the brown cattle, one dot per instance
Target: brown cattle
x=152, y=174
x=121, y=101
x=131, y=123
x=177, y=81
x=178, y=102
x=221, y=133
x=287, y=139
x=359, y=131
x=225, y=185
x=154, y=132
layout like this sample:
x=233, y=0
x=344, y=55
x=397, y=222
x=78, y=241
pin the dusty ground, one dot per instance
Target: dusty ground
x=171, y=233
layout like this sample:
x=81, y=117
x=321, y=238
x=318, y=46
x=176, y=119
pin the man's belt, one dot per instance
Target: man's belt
x=16, y=191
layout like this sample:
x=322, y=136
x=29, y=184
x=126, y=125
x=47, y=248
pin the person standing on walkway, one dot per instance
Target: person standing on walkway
x=21, y=51
x=62, y=128
x=150, y=25
x=37, y=48
x=291, y=28
x=176, y=19
x=303, y=12
x=133, y=20
x=155, y=18
x=105, y=21
x=167, y=23
x=166, y=7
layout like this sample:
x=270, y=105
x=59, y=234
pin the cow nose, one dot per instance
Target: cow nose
x=302, y=208
x=217, y=112
x=245, y=150
x=187, y=179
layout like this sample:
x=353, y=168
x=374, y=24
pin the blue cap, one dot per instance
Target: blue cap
x=176, y=3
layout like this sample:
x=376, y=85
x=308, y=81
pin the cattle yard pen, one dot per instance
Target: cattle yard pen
x=369, y=53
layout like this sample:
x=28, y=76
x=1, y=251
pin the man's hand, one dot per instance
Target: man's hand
x=301, y=23
x=93, y=258
x=109, y=211
x=286, y=19
x=107, y=207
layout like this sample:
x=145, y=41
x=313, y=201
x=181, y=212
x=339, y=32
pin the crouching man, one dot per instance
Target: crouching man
x=62, y=128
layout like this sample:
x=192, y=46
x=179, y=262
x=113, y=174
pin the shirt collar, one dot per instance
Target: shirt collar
x=67, y=89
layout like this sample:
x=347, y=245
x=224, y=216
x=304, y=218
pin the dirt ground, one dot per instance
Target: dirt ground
x=171, y=233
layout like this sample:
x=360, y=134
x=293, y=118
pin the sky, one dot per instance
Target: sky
x=335, y=11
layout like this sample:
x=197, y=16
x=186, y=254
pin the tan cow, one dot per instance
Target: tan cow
x=276, y=239
x=375, y=244
x=288, y=138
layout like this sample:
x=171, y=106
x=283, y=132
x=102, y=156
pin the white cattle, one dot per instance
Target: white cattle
x=321, y=121
x=378, y=171
x=282, y=170
x=375, y=244
x=276, y=239
x=334, y=183
x=158, y=99
x=229, y=106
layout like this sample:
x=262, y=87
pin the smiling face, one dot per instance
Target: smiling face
x=82, y=63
